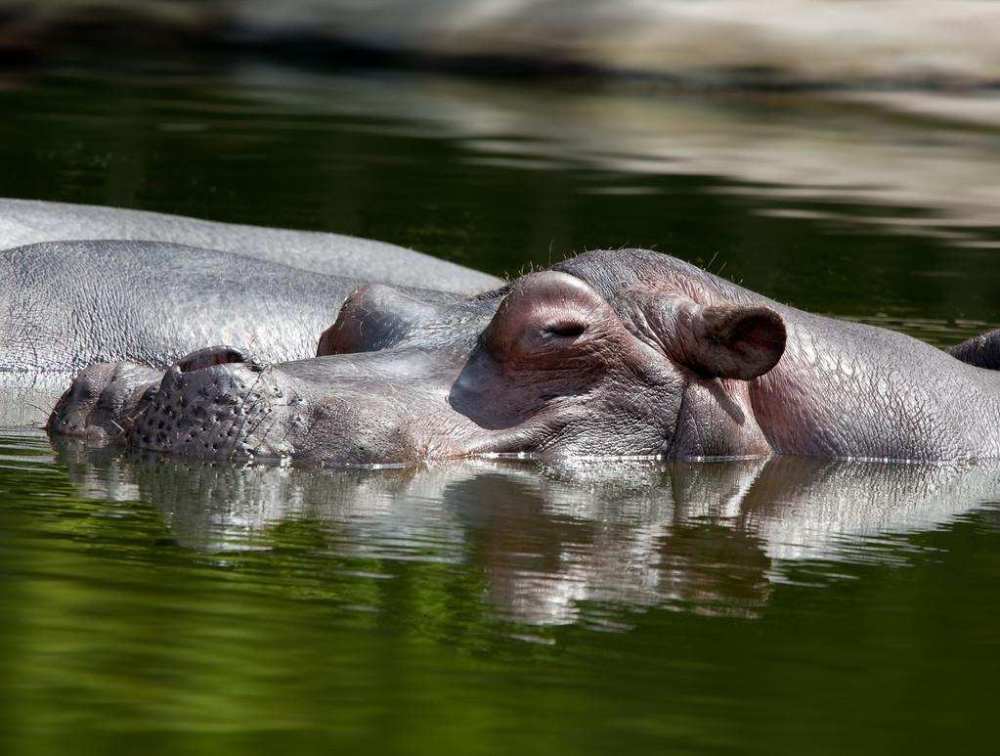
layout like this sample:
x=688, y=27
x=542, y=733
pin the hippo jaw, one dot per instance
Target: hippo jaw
x=552, y=369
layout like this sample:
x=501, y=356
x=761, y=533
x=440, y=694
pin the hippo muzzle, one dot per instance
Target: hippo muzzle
x=232, y=410
x=219, y=403
x=214, y=403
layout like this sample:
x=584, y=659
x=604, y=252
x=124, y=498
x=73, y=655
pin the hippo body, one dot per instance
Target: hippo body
x=611, y=353
x=66, y=305
x=69, y=304
x=24, y=222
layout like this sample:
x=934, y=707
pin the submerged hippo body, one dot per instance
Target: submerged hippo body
x=622, y=352
x=66, y=305
x=24, y=222
x=69, y=304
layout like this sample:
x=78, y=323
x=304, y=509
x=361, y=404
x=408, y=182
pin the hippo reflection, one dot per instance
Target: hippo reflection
x=710, y=538
x=611, y=353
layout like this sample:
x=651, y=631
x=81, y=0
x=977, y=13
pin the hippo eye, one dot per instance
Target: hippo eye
x=567, y=329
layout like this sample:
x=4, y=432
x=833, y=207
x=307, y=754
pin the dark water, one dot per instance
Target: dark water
x=783, y=606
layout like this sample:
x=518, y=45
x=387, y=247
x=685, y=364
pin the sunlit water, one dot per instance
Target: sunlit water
x=785, y=606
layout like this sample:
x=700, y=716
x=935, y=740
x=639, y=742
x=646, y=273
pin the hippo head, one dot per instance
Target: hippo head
x=585, y=359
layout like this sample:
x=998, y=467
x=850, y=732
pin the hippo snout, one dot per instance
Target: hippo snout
x=213, y=403
x=212, y=409
x=101, y=400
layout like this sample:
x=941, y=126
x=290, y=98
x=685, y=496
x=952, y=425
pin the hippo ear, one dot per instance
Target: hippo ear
x=720, y=341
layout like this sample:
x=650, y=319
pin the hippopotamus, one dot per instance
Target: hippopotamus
x=612, y=353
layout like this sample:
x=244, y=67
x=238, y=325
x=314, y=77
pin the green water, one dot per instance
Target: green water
x=156, y=606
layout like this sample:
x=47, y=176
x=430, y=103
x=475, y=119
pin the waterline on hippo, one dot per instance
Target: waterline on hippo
x=609, y=354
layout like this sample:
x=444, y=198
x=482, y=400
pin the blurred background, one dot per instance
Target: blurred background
x=839, y=155
x=792, y=42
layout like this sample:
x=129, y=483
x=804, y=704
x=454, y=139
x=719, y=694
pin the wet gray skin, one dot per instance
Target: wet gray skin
x=623, y=352
x=24, y=222
x=66, y=305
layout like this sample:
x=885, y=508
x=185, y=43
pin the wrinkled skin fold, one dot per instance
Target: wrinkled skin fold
x=611, y=353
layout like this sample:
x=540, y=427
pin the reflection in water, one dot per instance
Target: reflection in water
x=576, y=544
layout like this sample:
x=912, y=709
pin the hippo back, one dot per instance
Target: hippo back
x=25, y=222
x=65, y=305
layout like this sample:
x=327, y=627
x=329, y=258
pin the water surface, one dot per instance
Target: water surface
x=784, y=606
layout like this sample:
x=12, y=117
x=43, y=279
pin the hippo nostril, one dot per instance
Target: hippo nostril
x=210, y=356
